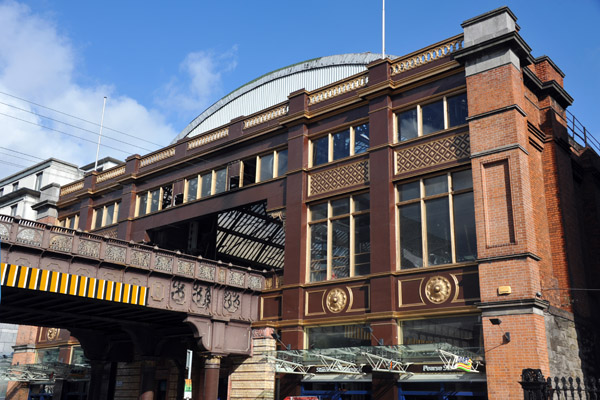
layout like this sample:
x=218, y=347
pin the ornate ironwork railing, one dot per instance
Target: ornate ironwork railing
x=536, y=387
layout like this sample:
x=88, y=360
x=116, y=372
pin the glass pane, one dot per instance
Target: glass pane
x=433, y=117
x=327, y=337
x=318, y=252
x=407, y=125
x=192, y=189
x=205, y=190
x=167, y=199
x=410, y=191
x=464, y=227
x=110, y=214
x=99, y=214
x=71, y=222
x=340, y=248
x=318, y=211
x=361, y=138
x=249, y=171
x=361, y=202
x=362, y=245
x=320, y=151
x=282, y=159
x=340, y=207
x=266, y=167
x=462, y=180
x=436, y=185
x=457, y=110
x=411, y=243
x=221, y=180
x=341, y=144
x=155, y=199
x=143, y=204
x=464, y=332
x=438, y=232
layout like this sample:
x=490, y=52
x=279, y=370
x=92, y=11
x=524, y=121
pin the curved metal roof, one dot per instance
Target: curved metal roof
x=274, y=88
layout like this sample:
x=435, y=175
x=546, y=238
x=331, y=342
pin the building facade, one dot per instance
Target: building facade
x=423, y=222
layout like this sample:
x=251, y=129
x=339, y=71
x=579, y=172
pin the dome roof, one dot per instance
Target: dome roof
x=274, y=88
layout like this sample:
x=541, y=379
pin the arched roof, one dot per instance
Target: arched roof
x=274, y=88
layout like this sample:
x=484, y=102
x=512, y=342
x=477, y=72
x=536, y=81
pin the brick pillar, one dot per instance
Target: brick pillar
x=254, y=377
x=509, y=270
x=148, y=380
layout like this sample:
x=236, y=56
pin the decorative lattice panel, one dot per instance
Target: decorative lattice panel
x=339, y=178
x=433, y=153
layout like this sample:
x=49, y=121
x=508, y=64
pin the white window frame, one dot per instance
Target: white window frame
x=104, y=221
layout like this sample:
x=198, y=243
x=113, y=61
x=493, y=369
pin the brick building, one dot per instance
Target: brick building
x=427, y=224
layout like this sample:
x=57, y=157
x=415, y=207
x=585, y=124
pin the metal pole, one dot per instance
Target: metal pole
x=383, y=30
x=100, y=135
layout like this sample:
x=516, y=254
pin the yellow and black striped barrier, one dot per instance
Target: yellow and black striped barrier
x=19, y=276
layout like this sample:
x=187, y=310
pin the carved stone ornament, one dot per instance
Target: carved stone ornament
x=163, y=263
x=231, y=301
x=115, y=253
x=29, y=236
x=254, y=283
x=52, y=333
x=157, y=291
x=336, y=300
x=61, y=243
x=437, y=289
x=89, y=248
x=236, y=278
x=206, y=272
x=4, y=231
x=178, y=292
x=201, y=295
x=140, y=258
x=185, y=267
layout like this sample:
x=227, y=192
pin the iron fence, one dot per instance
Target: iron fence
x=536, y=387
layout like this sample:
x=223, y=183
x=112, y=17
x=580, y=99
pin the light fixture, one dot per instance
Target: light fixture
x=495, y=321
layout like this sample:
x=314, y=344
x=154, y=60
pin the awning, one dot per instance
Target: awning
x=44, y=372
x=392, y=359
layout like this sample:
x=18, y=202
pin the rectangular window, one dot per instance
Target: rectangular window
x=464, y=332
x=155, y=200
x=264, y=167
x=142, y=204
x=327, y=337
x=436, y=218
x=338, y=145
x=432, y=117
x=220, y=180
x=38, y=180
x=192, y=189
x=206, y=188
x=340, y=244
x=15, y=186
x=103, y=216
x=13, y=210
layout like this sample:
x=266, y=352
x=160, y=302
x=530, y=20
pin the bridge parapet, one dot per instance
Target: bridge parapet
x=221, y=300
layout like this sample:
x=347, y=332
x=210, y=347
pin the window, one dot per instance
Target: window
x=71, y=222
x=105, y=215
x=15, y=186
x=38, y=180
x=437, y=222
x=206, y=184
x=432, y=117
x=464, y=332
x=340, y=244
x=326, y=337
x=13, y=210
x=334, y=146
x=154, y=200
x=264, y=167
x=1, y=192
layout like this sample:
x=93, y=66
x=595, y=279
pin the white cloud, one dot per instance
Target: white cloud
x=37, y=63
x=199, y=82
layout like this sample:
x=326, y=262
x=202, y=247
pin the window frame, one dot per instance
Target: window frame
x=104, y=208
x=258, y=170
x=66, y=221
x=421, y=200
x=352, y=214
x=329, y=136
x=149, y=198
x=419, y=108
x=213, y=184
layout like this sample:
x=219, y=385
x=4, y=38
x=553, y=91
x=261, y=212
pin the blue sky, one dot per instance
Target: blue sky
x=162, y=63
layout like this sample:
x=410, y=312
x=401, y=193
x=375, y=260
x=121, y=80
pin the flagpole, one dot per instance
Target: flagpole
x=100, y=135
x=383, y=30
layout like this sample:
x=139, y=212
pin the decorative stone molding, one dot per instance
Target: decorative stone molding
x=163, y=263
x=236, y=278
x=61, y=243
x=185, y=267
x=156, y=157
x=140, y=258
x=4, y=231
x=115, y=253
x=206, y=139
x=255, y=283
x=338, y=90
x=433, y=153
x=338, y=178
x=231, y=301
x=30, y=236
x=88, y=248
x=111, y=173
x=266, y=116
x=206, y=272
x=201, y=295
x=73, y=187
x=435, y=52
